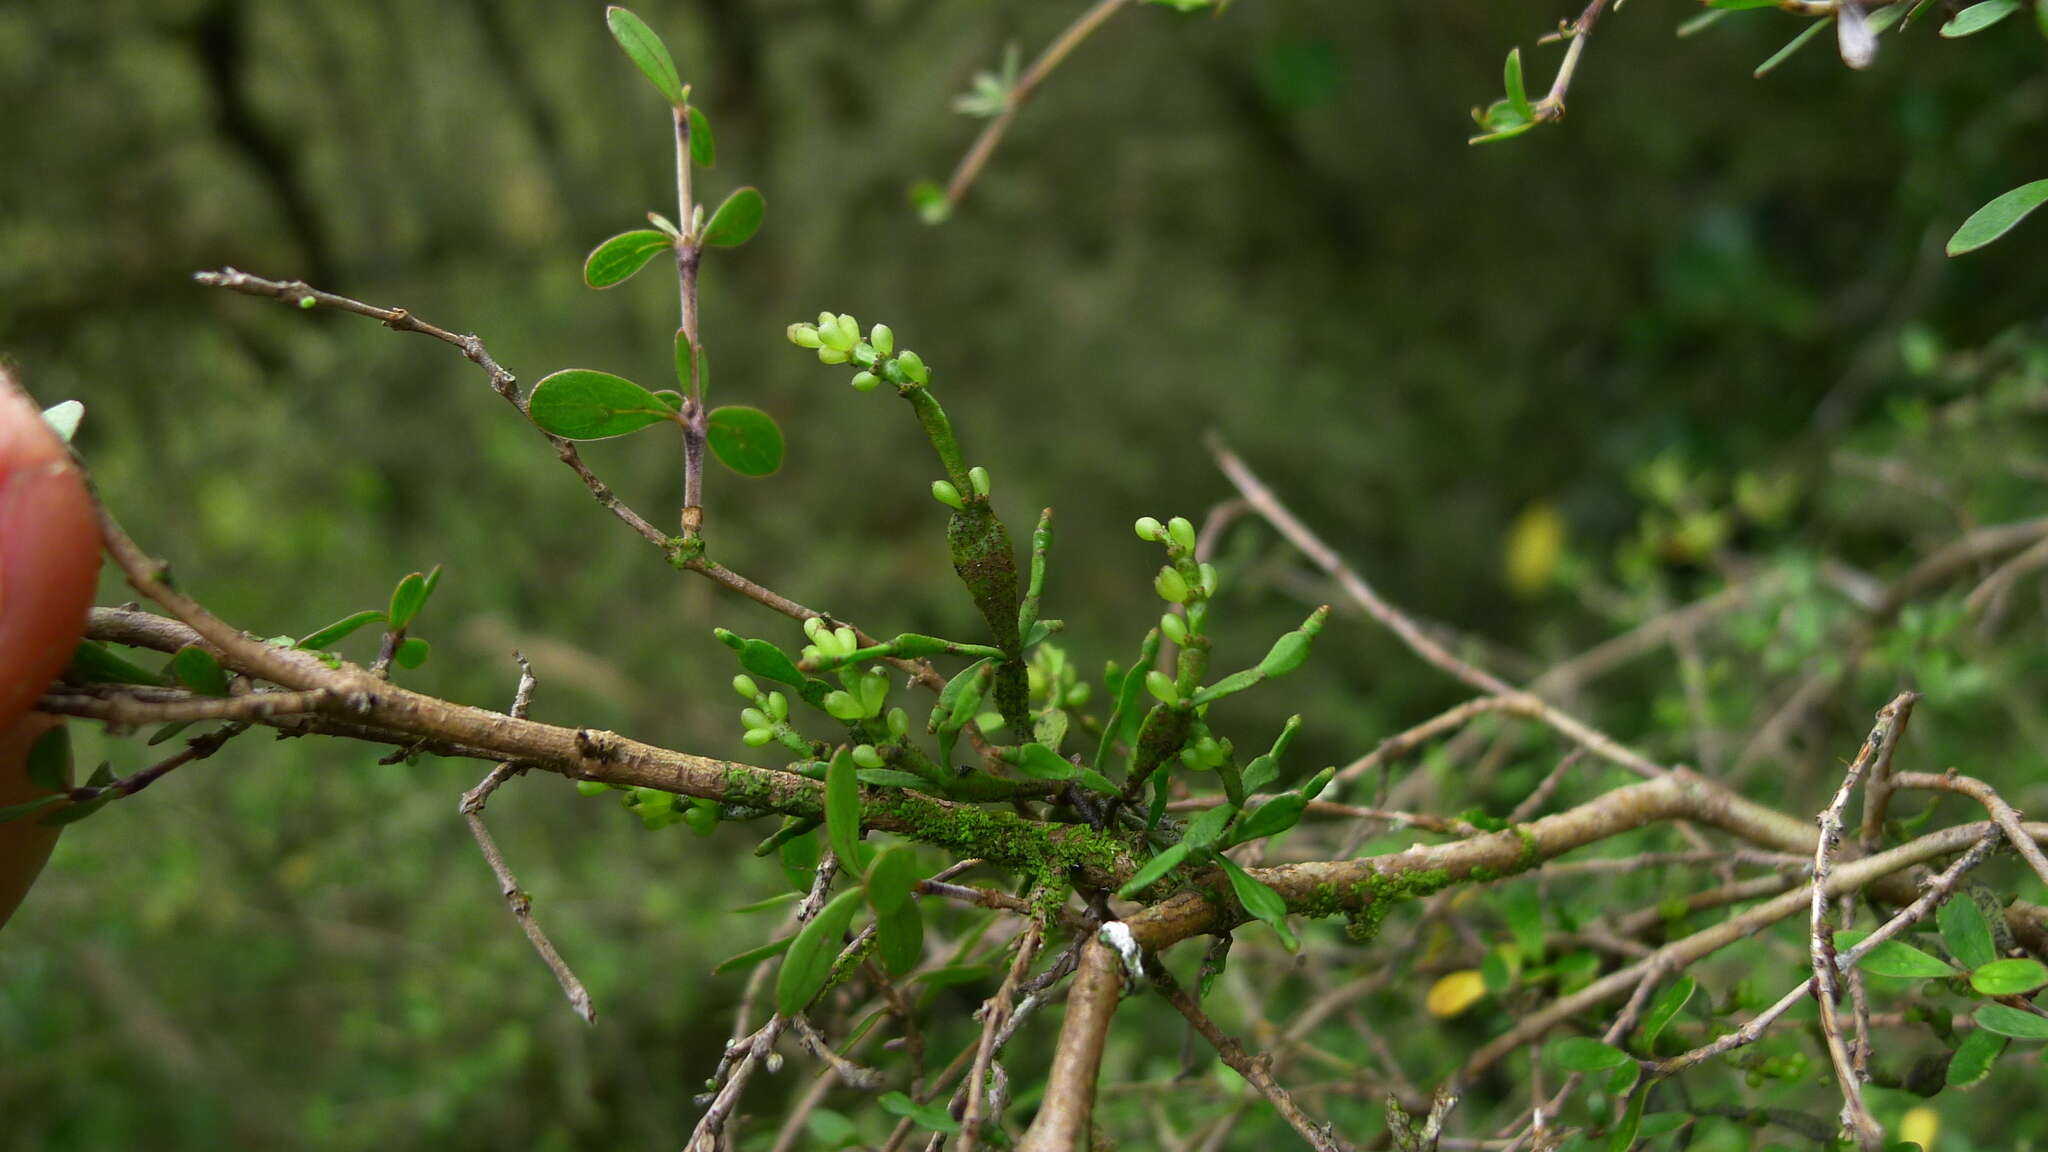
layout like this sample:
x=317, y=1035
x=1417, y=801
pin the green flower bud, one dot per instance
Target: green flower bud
x=307, y=302
x=778, y=706
x=1148, y=528
x=847, y=639
x=1034, y=680
x=754, y=718
x=812, y=654
x=816, y=628
x=892, y=371
x=1171, y=585
x=1079, y=694
x=702, y=818
x=1182, y=531
x=842, y=706
x=883, y=339
x=979, y=477
x=745, y=686
x=865, y=381
x=1173, y=628
x=592, y=787
x=826, y=320
x=804, y=335
x=831, y=356
x=864, y=354
x=944, y=492
x=835, y=337
x=1193, y=760
x=755, y=737
x=849, y=329
x=1209, y=580
x=866, y=756
x=913, y=367
x=1160, y=685
x=653, y=800
x=899, y=723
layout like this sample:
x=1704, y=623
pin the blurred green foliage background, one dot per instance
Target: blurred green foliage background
x=1267, y=224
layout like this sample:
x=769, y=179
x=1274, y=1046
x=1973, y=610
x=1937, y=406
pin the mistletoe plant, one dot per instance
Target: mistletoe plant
x=1125, y=821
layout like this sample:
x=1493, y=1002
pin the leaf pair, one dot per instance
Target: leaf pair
x=581, y=404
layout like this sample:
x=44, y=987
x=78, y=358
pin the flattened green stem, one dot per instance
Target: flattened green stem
x=939, y=431
x=1125, y=697
x=1041, y=546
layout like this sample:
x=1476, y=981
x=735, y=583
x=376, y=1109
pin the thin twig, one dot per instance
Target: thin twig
x=1321, y=1137
x=472, y=810
x=2001, y=813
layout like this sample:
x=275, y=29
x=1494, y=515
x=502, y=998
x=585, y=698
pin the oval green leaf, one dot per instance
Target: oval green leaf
x=1154, y=870
x=899, y=939
x=1978, y=17
x=2000, y=1018
x=334, y=633
x=411, y=652
x=1259, y=900
x=769, y=662
x=809, y=962
x=197, y=669
x=615, y=260
x=745, y=440
x=891, y=879
x=1042, y=763
x=1663, y=1007
x=1272, y=818
x=1207, y=828
x=737, y=219
x=1893, y=958
x=753, y=956
x=702, y=149
x=842, y=810
x=646, y=51
x=1998, y=217
x=2009, y=977
x=1585, y=1054
x=94, y=663
x=581, y=404
x=1974, y=1057
x=407, y=599
x=1967, y=935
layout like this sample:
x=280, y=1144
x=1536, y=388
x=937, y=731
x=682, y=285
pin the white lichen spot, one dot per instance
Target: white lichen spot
x=1117, y=935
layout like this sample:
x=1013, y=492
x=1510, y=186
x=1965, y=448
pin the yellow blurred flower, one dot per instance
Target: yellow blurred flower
x=1455, y=991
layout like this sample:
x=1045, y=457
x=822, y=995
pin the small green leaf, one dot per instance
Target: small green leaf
x=1518, y=96
x=647, y=52
x=1974, y=1057
x=1894, y=958
x=1663, y=1007
x=891, y=778
x=95, y=663
x=1259, y=900
x=931, y=1116
x=899, y=938
x=1271, y=818
x=197, y=669
x=891, y=879
x=1967, y=935
x=809, y=961
x=799, y=856
x=73, y=813
x=1998, y=217
x=581, y=404
x=1624, y=1135
x=2009, y=977
x=1783, y=54
x=1208, y=828
x=770, y=904
x=15, y=812
x=1042, y=763
x=615, y=260
x=842, y=809
x=745, y=440
x=1978, y=17
x=1154, y=870
x=334, y=633
x=753, y=956
x=63, y=419
x=412, y=652
x=406, y=600
x=49, y=760
x=1585, y=1054
x=770, y=663
x=2000, y=1018
x=737, y=219
x=1287, y=654
x=702, y=149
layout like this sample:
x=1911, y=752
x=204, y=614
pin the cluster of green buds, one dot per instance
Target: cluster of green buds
x=864, y=692
x=1182, y=580
x=837, y=340
x=946, y=493
x=658, y=809
x=1204, y=752
x=766, y=717
x=1054, y=680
